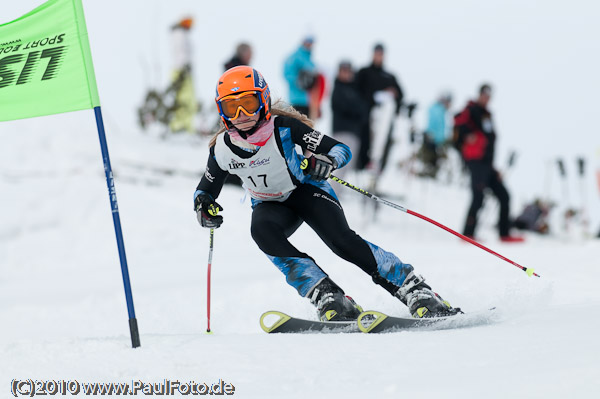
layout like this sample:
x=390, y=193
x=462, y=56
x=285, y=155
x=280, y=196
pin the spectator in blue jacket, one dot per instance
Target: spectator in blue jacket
x=436, y=122
x=300, y=73
x=435, y=136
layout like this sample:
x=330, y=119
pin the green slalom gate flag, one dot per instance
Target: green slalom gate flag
x=45, y=63
x=46, y=68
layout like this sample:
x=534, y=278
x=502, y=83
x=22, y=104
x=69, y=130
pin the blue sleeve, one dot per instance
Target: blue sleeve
x=341, y=153
x=295, y=63
x=314, y=141
x=305, y=62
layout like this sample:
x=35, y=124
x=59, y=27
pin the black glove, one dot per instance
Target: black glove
x=207, y=211
x=319, y=167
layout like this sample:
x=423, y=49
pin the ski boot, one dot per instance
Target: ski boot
x=332, y=304
x=422, y=301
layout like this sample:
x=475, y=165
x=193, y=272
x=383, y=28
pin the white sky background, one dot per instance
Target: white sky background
x=542, y=57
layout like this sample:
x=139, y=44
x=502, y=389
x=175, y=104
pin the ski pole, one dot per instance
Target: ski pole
x=582, y=193
x=210, y=253
x=527, y=270
x=563, y=174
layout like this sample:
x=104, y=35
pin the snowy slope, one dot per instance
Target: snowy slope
x=64, y=317
x=62, y=308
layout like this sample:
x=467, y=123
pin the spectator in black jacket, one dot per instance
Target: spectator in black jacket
x=242, y=56
x=370, y=80
x=350, y=112
x=476, y=142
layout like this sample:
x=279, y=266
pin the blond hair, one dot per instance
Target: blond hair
x=280, y=108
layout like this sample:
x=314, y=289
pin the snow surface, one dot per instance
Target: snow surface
x=62, y=306
x=63, y=310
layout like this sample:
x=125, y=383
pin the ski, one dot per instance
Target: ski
x=376, y=322
x=371, y=322
x=277, y=322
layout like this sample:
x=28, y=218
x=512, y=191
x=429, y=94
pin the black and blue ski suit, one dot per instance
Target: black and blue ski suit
x=283, y=197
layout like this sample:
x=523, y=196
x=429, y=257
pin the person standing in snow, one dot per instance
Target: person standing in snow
x=436, y=120
x=175, y=107
x=186, y=106
x=435, y=137
x=258, y=144
x=350, y=111
x=370, y=80
x=300, y=73
x=242, y=56
x=476, y=139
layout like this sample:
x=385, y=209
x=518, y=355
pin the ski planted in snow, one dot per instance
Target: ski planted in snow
x=278, y=322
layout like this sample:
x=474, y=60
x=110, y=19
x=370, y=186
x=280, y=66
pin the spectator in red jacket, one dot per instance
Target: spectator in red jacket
x=476, y=140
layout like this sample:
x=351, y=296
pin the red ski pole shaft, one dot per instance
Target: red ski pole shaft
x=210, y=253
x=529, y=271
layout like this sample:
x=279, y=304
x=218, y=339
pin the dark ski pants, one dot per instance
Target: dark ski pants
x=362, y=158
x=485, y=176
x=274, y=222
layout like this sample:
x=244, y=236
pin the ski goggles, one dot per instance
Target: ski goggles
x=249, y=102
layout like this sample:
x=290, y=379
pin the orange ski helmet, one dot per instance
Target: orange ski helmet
x=242, y=89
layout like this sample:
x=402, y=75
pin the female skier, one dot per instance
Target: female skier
x=258, y=145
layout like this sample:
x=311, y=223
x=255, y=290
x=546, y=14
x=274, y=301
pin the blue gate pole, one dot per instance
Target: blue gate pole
x=133, y=328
